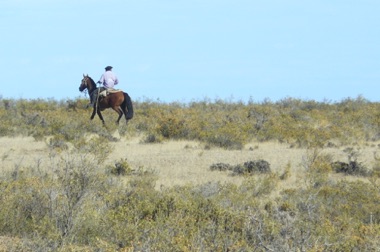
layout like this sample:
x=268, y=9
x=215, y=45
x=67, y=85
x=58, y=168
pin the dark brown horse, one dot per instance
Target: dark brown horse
x=119, y=101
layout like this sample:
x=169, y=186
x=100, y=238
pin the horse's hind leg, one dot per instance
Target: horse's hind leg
x=119, y=111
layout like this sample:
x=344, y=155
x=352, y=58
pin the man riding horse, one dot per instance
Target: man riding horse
x=108, y=79
x=118, y=100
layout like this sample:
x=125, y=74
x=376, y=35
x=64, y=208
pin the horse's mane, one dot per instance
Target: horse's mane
x=92, y=84
x=92, y=81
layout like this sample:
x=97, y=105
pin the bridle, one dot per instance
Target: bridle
x=86, y=82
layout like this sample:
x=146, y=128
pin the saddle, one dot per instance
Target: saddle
x=106, y=92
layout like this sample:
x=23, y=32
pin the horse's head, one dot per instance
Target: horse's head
x=88, y=83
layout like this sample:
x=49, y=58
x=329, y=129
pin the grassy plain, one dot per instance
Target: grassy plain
x=69, y=184
x=183, y=162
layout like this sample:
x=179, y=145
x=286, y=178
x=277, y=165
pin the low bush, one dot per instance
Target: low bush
x=351, y=168
x=252, y=167
x=121, y=168
x=249, y=167
x=220, y=167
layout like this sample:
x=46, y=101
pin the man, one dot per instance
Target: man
x=108, y=79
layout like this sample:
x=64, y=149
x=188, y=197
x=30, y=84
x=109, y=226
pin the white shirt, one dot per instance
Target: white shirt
x=108, y=79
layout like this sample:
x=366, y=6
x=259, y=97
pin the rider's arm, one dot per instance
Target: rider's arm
x=101, y=80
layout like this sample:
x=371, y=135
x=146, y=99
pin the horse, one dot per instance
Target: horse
x=119, y=101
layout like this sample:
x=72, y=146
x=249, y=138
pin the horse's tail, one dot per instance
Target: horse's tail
x=127, y=107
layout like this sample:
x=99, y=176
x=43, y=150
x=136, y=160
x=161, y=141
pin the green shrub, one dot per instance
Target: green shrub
x=351, y=168
x=58, y=143
x=253, y=167
x=121, y=168
x=153, y=138
x=259, y=186
x=99, y=147
x=220, y=167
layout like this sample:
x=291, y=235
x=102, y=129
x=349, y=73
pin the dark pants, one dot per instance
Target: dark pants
x=94, y=95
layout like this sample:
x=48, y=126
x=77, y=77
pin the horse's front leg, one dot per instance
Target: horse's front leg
x=93, y=113
x=100, y=115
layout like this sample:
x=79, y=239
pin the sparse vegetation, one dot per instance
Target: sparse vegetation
x=82, y=204
x=224, y=124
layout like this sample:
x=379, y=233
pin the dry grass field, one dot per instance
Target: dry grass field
x=183, y=162
x=207, y=176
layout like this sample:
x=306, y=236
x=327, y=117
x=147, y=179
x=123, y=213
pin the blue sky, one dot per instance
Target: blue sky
x=181, y=51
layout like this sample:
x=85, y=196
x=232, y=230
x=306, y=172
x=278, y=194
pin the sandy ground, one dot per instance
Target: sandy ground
x=181, y=162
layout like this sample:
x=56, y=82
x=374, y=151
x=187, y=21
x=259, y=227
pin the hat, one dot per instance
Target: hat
x=108, y=68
